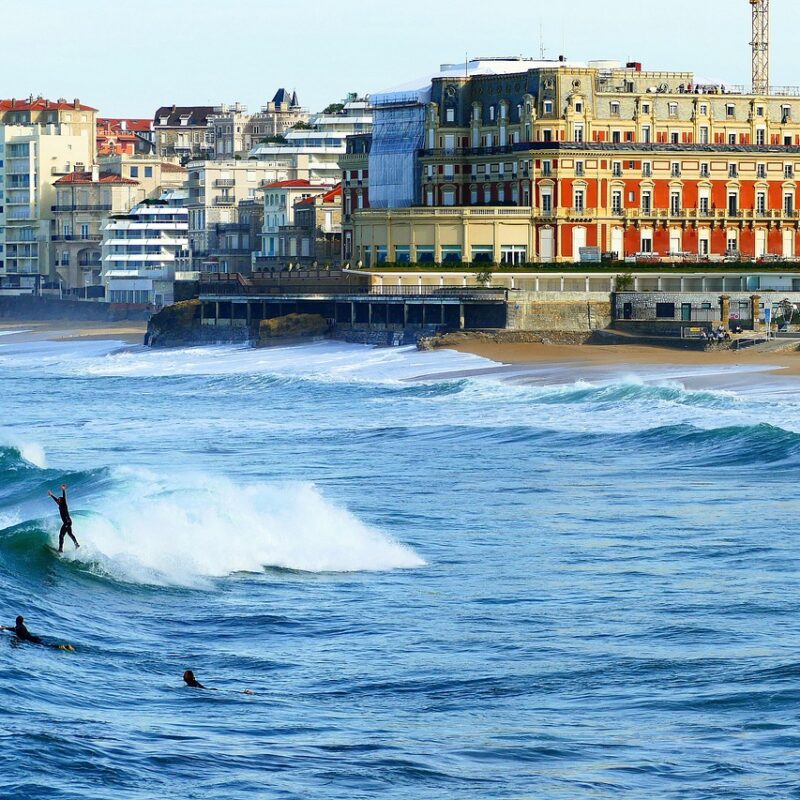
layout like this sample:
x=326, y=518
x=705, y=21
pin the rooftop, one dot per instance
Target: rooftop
x=42, y=104
x=103, y=177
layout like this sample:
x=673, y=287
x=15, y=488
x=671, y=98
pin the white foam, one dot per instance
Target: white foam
x=184, y=530
x=33, y=453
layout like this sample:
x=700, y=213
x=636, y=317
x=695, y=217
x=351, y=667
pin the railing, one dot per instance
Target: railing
x=223, y=182
x=69, y=237
x=77, y=207
x=224, y=201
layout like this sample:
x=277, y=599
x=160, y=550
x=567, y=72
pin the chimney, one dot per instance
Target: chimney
x=123, y=125
x=95, y=173
x=77, y=104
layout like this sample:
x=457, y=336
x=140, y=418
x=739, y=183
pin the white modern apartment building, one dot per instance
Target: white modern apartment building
x=143, y=249
x=32, y=159
x=314, y=152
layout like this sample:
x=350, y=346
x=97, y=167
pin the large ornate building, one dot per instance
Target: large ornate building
x=522, y=161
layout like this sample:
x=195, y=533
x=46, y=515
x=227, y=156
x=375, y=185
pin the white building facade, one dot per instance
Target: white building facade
x=143, y=249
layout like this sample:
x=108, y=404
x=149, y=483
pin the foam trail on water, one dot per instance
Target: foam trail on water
x=149, y=530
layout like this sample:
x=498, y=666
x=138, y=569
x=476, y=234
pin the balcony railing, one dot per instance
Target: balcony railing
x=89, y=237
x=224, y=182
x=81, y=207
x=224, y=201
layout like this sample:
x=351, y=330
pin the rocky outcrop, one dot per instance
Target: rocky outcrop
x=175, y=326
x=501, y=337
x=281, y=330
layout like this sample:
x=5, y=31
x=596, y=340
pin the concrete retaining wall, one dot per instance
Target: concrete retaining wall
x=30, y=307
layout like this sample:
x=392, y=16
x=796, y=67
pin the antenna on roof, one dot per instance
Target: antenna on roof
x=541, y=41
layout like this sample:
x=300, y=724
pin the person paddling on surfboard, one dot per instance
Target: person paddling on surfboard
x=66, y=519
x=22, y=633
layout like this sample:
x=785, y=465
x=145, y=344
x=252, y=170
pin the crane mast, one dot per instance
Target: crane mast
x=760, y=46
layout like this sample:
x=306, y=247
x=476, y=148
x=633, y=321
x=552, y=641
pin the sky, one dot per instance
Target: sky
x=129, y=59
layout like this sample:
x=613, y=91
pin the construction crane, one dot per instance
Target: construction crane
x=760, y=46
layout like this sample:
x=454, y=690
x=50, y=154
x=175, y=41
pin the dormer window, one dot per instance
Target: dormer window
x=548, y=106
x=163, y=120
x=185, y=120
x=579, y=106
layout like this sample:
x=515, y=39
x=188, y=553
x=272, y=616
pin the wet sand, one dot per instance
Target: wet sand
x=786, y=363
x=130, y=332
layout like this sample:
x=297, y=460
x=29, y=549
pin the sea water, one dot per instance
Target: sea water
x=441, y=578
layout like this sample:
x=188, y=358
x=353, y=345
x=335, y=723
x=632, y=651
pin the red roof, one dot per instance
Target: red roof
x=299, y=183
x=328, y=197
x=40, y=104
x=86, y=177
x=167, y=166
x=131, y=125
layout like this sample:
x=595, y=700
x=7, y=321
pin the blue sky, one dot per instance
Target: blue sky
x=127, y=63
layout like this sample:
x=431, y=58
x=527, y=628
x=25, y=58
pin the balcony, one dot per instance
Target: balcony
x=223, y=183
x=75, y=207
x=90, y=237
x=219, y=200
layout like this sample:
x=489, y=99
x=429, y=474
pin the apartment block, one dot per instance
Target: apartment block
x=516, y=161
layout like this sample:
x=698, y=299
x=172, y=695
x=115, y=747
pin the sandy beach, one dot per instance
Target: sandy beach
x=130, y=332
x=786, y=363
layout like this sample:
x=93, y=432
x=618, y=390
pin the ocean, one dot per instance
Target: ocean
x=440, y=578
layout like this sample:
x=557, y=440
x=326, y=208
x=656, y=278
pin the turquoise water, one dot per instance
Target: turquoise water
x=550, y=582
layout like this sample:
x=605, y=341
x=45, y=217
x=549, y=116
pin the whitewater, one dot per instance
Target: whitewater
x=440, y=576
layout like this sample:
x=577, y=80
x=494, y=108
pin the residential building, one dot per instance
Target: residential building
x=215, y=190
x=231, y=244
x=516, y=161
x=281, y=201
x=316, y=236
x=83, y=201
x=313, y=151
x=143, y=249
x=73, y=118
x=183, y=132
x=33, y=157
x=125, y=136
x=152, y=173
x=355, y=185
x=235, y=132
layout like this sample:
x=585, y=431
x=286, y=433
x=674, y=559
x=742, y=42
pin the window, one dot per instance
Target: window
x=645, y=108
x=579, y=171
x=148, y=172
x=761, y=203
x=759, y=111
x=84, y=231
x=647, y=169
x=647, y=202
x=615, y=109
x=786, y=114
x=450, y=115
x=733, y=245
x=577, y=133
x=616, y=169
x=647, y=241
x=675, y=203
x=449, y=171
x=672, y=109
x=674, y=137
x=616, y=137
x=646, y=134
x=703, y=134
x=487, y=194
x=548, y=107
x=578, y=106
x=491, y=113
x=761, y=136
x=704, y=245
x=134, y=172
x=547, y=169
x=616, y=202
x=788, y=204
x=733, y=171
x=676, y=169
x=579, y=200
x=704, y=169
x=788, y=171
x=703, y=110
x=449, y=197
x=730, y=110
x=704, y=205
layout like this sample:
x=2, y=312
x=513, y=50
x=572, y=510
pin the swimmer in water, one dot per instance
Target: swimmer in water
x=66, y=519
x=192, y=682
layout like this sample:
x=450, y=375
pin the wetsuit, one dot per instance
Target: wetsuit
x=66, y=521
x=24, y=635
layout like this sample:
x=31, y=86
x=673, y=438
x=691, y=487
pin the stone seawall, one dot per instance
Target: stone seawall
x=30, y=307
x=567, y=312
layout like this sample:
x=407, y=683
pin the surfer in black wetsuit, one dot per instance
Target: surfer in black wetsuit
x=21, y=631
x=66, y=519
